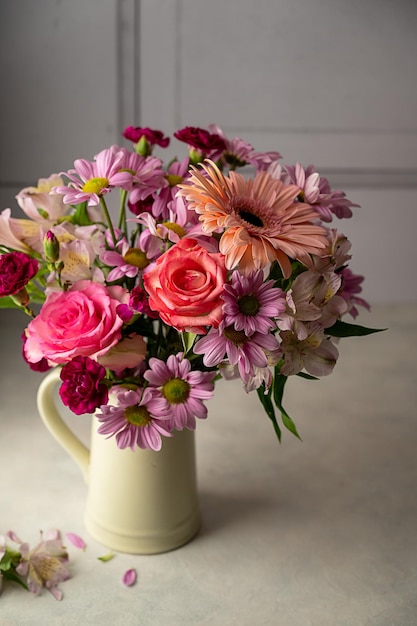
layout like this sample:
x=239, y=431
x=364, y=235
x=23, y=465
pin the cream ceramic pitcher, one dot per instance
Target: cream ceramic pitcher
x=139, y=502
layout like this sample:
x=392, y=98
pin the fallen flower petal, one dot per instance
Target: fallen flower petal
x=129, y=577
x=76, y=541
x=106, y=557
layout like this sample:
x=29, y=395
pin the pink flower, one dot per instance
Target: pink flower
x=352, y=285
x=44, y=566
x=16, y=270
x=138, y=303
x=146, y=174
x=82, y=390
x=185, y=286
x=238, y=153
x=91, y=179
x=250, y=304
x=180, y=391
x=315, y=190
x=246, y=352
x=81, y=321
x=133, y=421
x=316, y=353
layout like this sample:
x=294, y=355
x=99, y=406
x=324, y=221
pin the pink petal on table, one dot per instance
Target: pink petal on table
x=76, y=541
x=129, y=577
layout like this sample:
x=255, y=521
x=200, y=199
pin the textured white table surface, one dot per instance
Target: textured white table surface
x=315, y=533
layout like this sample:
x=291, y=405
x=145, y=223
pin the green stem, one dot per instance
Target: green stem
x=108, y=219
x=122, y=216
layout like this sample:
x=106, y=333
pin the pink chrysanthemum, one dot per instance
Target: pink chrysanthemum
x=134, y=421
x=91, y=179
x=180, y=390
x=239, y=349
x=238, y=153
x=250, y=304
x=125, y=261
x=146, y=174
x=261, y=220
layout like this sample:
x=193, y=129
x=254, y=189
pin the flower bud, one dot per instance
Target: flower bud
x=143, y=147
x=51, y=247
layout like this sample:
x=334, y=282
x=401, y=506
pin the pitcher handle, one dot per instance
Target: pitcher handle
x=56, y=425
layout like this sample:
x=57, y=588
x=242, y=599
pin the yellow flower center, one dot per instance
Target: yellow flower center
x=176, y=390
x=173, y=179
x=176, y=228
x=95, y=185
x=138, y=415
x=136, y=257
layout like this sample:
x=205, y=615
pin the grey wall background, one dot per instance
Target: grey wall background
x=327, y=82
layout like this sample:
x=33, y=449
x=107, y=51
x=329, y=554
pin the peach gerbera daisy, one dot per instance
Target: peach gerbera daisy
x=261, y=219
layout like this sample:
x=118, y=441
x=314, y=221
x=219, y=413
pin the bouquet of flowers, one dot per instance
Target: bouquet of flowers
x=200, y=272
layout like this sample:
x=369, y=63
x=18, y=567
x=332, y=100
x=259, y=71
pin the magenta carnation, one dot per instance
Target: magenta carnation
x=209, y=144
x=82, y=389
x=16, y=270
x=154, y=137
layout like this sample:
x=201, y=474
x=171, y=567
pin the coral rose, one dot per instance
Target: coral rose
x=81, y=321
x=185, y=286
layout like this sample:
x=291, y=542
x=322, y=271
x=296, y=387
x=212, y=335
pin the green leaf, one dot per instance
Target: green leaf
x=8, y=303
x=343, y=329
x=10, y=559
x=279, y=385
x=11, y=575
x=265, y=398
x=307, y=376
x=187, y=340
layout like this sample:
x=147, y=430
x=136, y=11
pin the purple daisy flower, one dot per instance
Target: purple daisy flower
x=134, y=421
x=179, y=391
x=239, y=349
x=250, y=304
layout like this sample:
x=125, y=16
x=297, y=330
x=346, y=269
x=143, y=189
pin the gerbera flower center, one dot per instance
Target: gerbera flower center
x=248, y=305
x=176, y=390
x=248, y=211
x=136, y=257
x=95, y=185
x=238, y=337
x=138, y=415
x=176, y=228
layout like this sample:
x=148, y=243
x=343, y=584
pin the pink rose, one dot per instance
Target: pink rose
x=16, y=270
x=81, y=321
x=185, y=286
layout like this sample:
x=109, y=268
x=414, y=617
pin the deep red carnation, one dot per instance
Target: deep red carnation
x=154, y=137
x=16, y=270
x=201, y=139
x=82, y=390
